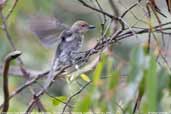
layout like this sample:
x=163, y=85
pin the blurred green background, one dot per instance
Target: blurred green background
x=100, y=96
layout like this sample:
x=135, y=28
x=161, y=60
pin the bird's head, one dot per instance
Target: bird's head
x=81, y=26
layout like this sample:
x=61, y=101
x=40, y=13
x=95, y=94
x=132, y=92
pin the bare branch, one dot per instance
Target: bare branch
x=98, y=48
x=130, y=8
x=97, y=10
x=111, y=39
x=8, y=59
x=12, y=9
x=114, y=8
x=4, y=28
x=75, y=94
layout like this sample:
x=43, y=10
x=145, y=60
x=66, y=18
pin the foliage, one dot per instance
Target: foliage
x=129, y=77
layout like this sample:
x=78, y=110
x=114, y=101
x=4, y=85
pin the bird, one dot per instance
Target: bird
x=69, y=38
x=71, y=43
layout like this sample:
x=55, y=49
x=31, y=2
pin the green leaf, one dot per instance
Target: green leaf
x=97, y=73
x=83, y=105
x=85, y=77
x=163, y=77
x=58, y=100
x=169, y=84
x=137, y=64
x=151, y=86
x=98, y=70
x=113, y=80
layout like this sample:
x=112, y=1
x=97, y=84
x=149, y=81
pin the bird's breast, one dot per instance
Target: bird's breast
x=68, y=46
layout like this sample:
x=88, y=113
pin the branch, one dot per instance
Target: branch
x=4, y=28
x=31, y=106
x=79, y=91
x=12, y=9
x=15, y=71
x=114, y=8
x=8, y=59
x=70, y=106
x=48, y=84
x=97, y=10
x=37, y=104
x=97, y=48
x=130, y=8
x=75, y=94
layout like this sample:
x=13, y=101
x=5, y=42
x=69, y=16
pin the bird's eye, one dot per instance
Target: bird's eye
x=83, y=25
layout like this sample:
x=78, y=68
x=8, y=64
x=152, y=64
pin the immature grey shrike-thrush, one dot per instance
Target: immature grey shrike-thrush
x=69, y=40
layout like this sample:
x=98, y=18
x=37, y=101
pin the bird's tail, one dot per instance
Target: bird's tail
x=54, y=67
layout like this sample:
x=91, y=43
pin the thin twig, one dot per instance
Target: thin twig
x=46, y=86
x=31, y=106
x=75, y=94
x=54, y=97
x=127, y=10
x=97, y=10
x=104, y=19
x=4, y=28
x=12, y=9
x=137, y=103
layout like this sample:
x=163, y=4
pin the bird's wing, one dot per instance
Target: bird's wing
x=63, y=37
x=47, y=28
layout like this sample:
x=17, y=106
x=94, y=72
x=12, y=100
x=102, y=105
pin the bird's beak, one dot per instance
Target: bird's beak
x=91, y=27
